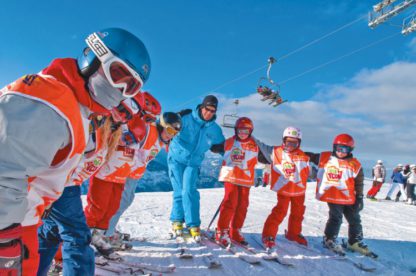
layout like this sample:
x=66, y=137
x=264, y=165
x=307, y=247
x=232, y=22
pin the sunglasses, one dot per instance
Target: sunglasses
x=118, y=73
x=343, y=149
x=210, y=110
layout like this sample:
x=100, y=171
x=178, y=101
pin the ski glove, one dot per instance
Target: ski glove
x=359, y=203
x=11, y=250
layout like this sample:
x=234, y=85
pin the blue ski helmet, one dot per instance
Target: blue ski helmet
x=122, y=44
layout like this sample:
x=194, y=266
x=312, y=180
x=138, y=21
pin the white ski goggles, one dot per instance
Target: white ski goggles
x=118, y=73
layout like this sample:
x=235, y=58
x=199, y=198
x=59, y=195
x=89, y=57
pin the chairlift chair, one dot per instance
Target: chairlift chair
x=268, y=89
x=228, y=120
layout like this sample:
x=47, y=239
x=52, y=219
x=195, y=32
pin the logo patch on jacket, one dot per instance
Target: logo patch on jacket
x=289, y=169
x=152, y=155
x=333, y=174
x=92, y=166
x=237, y=155
x=128, y=152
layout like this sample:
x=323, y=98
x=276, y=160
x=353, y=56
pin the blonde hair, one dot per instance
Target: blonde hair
x=109, y=137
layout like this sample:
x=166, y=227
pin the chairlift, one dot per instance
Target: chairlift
x=228, y=120
x=268, y=89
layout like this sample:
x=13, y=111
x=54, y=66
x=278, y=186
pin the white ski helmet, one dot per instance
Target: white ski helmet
x=380, y=162
x=412, y=166
x=293, y=132
x=399, y=165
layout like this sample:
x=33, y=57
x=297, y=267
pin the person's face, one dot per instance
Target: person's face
x=208, y=112
x=290, y=144
x=243, y=133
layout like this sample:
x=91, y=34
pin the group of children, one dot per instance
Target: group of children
x=120, y=147
x=339, y=183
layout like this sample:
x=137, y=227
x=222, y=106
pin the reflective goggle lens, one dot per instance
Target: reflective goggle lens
x=292, y=144
x=243, y=131
x=121, y=75
x=343, y=149
x=171, y=131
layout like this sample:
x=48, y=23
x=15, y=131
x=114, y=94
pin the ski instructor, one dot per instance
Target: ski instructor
x=199, y=134
x=44, y=127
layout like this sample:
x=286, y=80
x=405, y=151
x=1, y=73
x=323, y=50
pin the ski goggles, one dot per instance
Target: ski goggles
x=343, y=149
x=245, y=131
x=118, y=73
x=171, y=130
x=128, y=138
x=291, y=144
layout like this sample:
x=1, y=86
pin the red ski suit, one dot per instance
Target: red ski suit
x=289, y=175
x=106, y=187
x=237, y=173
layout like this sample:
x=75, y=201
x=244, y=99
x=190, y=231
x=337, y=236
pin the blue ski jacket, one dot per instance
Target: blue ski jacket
x=196, y=137
x=398, y=177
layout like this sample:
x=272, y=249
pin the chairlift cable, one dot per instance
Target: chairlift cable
x=322, y=37
x=338, y=58
x=268, y=65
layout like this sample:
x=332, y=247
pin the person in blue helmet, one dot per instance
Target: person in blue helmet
x=199, y=134
x=44, y=131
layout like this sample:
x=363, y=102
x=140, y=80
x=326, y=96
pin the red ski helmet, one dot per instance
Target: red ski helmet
x=344, y=139
x=244, y=123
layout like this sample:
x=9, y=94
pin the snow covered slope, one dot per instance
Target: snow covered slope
x=389, y=229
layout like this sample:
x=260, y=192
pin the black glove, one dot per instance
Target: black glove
x=359, y=203
x=11, y=250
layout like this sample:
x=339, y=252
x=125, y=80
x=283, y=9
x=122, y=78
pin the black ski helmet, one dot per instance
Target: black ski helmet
x=171, y=119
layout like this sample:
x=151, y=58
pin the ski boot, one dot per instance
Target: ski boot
x=56, y=268
x=122, y=236
x=235, y=235
x=195, y=233
x=177, y=229
x=118, y=244
x=100, y=242
x=299, y=238
x=387, y=198
x=362, y=248
x=222, y=237
x=269, y=243
x=333, y=246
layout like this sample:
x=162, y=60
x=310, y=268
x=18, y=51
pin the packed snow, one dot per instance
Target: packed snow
x=389, y=230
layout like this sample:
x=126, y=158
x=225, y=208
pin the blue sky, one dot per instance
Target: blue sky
x=196, y=46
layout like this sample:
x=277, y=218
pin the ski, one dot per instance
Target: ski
x=269, y=255
x=336, y=256
x=123, y=270
x=209, y=258
x=184, y=252
x=151, y=267
x=370, y=254
x=248, y=258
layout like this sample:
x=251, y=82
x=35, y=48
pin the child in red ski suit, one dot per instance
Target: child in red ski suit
x=237, y=173
x=289, y=174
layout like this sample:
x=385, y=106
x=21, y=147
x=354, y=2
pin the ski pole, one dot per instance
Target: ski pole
x=215, y=215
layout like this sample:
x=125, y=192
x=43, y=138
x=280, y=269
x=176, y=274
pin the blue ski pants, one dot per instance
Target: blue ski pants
x=185, y=194
x=66, y=223
x=126, y=200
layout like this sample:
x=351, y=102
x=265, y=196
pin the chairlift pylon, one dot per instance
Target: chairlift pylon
x=268, y=89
